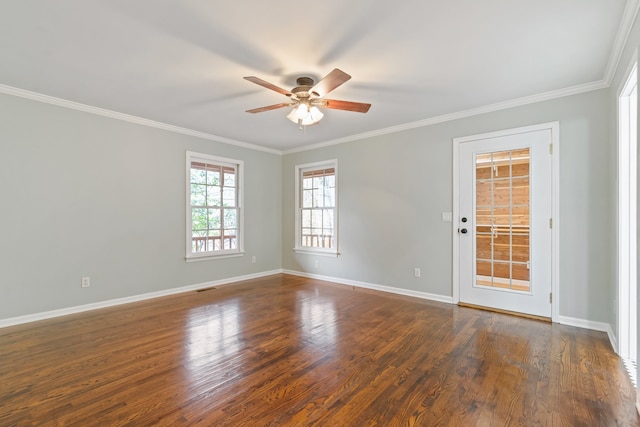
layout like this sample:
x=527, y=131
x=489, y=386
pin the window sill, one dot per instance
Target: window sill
x=308, y=251
x=209, y=257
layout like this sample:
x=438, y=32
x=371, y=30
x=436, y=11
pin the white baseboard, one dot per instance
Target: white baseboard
x=390, y=289
x=119, y=301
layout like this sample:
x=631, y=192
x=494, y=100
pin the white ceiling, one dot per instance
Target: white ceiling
x=181, y=62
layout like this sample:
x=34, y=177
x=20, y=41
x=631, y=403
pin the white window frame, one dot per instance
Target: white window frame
x=299, y=170
x=239, y=167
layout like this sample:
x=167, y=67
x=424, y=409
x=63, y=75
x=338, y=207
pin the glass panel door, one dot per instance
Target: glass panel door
x=502, y=220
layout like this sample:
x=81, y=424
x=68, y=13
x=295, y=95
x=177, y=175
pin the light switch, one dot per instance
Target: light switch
x=446, y=216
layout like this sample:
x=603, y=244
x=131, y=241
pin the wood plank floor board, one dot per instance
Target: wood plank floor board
x=290, y=351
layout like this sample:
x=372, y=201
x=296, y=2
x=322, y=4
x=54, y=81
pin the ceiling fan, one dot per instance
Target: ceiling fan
x=307, y=97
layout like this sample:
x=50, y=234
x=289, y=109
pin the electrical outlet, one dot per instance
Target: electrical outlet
x=253, y=259
x=416, y=272
x=317, y=263
x=86, y=282
x=446, y=216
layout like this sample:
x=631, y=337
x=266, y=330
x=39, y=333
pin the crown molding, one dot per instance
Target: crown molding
x=9, y=90
x=573, y=90
x=622, y=36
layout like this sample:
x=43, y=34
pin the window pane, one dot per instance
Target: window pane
x=230, y=218
x=229, y=178
x=483, y=193
x=501, y=247
x=520, y=169
x=521, y=272
x=520, y=215
x=327, y=218
x=228, y=197
x=483, y=158
x=520, y=191
x=307, y=198
x=483, y=268
x=230, y=241
x=316, y=218
x=483, y=246
x=520, y=241
x=213, y=176
x=483, y=216
x=330, y=181
x=502, y=216
x=198, y=176
x=317, y=198
x=483, y=171
x=199, y=241
x=318, y=182
x=329, y=197
x=306, y=218
x=501, y=270
x=213, y=196
x=198, y=193
x=214, y=218
x=199, y=219
x=307, y=183
x=502, y=192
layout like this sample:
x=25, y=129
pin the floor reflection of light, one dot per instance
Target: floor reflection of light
x=213, y=334
x=318, y=320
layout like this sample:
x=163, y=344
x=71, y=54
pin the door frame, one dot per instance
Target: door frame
x=554, y=127
x=627, y=296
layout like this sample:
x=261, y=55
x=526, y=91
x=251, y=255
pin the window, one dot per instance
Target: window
x=214, y=215
x=317, y=203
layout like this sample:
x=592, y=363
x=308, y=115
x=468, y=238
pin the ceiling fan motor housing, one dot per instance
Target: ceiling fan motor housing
x=302, y=90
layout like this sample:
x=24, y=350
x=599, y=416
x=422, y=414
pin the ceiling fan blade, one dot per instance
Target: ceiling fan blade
x=330, y=82
x=358, y=107
x=269, y=107
x=268, y=85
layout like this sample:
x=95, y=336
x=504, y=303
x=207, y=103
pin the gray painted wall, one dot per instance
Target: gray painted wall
x=85, y=195
x=393, y=188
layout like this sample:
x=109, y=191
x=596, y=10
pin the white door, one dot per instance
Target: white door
x=505, y=219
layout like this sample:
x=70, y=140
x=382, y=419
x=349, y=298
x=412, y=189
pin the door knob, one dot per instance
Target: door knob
x=463, y=230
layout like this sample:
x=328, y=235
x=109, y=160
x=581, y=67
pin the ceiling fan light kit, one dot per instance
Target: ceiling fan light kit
x=305, y=116
x=307, y=97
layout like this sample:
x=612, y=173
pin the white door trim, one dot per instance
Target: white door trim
x=625, y=265
x=554, y=127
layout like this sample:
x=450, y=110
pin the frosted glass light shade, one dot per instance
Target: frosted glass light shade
x=304, y=116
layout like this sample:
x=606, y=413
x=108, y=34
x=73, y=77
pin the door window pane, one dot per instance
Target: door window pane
x=502, y=219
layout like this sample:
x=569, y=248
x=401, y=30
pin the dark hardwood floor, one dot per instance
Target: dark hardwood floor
x=290, y=351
